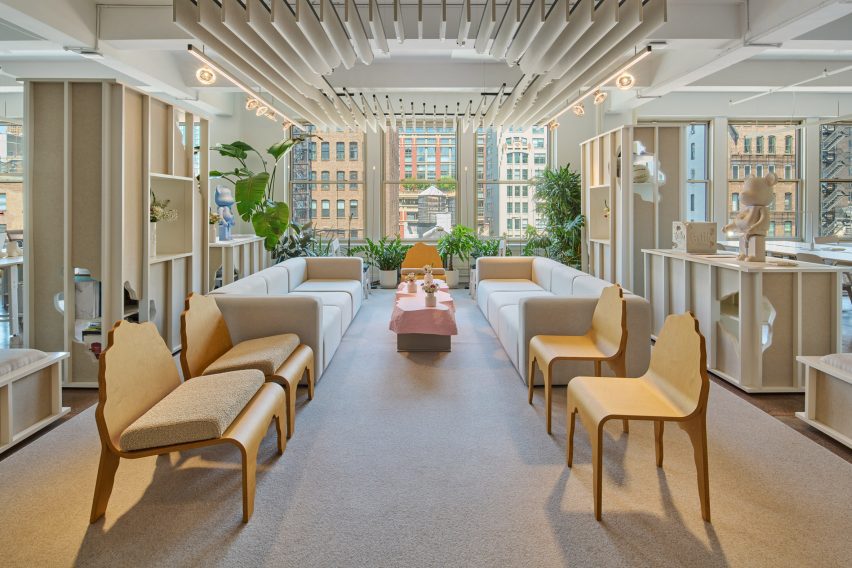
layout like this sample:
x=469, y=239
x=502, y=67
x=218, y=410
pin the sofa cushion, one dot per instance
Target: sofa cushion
x=266, y=354
x=342, y=300
x=297, y=270
x=277, y=280
x=331, y=333
x=254, y=285
x=562, y=280
x=199, y=409
x=507, y=330
x=354, y=288
x=586, y=285
x=485, y=288
x=497, y=300
x=542, y=269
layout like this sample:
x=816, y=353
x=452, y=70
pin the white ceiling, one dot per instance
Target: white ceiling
x=709, y=45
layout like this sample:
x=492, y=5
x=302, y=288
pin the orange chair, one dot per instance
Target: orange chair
x=419, y=256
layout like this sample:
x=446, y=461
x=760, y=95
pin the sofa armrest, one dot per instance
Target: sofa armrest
x=504, y=267
x=335, y=268
x=252, y=317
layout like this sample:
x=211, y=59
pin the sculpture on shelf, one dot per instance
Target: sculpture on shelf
x=752, y=222
x=225, y=201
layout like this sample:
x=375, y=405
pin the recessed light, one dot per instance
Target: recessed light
x=625, y=81
x=205, y=75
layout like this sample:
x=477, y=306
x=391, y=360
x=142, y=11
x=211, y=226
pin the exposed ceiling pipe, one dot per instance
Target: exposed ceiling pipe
x=541, y=54
x=398, y=26
x=419, y=19
x=464, y=22
x=376, y=26
x=332, y=25
x=310, y=25
x=486, y=25
x=511, y=19
x=533, y=22
x=355, y=27
x=284, y=22
x=442, y=26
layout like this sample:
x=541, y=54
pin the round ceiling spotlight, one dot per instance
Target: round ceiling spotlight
x=261, y=110
x=625, y=81
x=205, y=76
x=252, y=104
x=600, y=96
x=578, y=109
x=271, y=115
x=286, y=124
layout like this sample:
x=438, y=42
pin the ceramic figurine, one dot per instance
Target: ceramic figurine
x=225, y=201
x=752, y=221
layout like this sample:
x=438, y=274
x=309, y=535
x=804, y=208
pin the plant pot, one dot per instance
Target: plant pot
x=452, y=278
x=431, y=300
x=152, y=239
x=411, y=287
x=213, y=233
x=387, y=278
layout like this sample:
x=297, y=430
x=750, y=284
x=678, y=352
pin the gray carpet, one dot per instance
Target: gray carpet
x=436, y=460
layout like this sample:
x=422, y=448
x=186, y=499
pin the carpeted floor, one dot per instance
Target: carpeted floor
x=436, y=460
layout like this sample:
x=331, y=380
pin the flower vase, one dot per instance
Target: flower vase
x=431, y=300
x=428, y=278
x=152, y=239
x=412, y=287
x=213, y=234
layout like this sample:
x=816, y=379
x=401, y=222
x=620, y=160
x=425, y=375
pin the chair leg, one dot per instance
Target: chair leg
x=290, y=396
x=548, y=395
x=617, y=366
x=596, y=438
x=697, y=430
x=249, y=474
x=530, y=378
x=658, y=441
x=278, y=417
x=309, y=369
x=103, y=486
x=569, y=451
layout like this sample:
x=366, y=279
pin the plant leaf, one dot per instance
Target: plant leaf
x=271, y=223
x=250, y=193
x=280, y=148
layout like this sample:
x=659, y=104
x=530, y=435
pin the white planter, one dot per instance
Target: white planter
x=152, y=239
x=452, y=278
x=213, y=233
x=411, y=287
x=431, y=300
x=387, y=278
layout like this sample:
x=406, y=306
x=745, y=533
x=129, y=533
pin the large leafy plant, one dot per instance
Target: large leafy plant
x=253, y=190
x=485, y=247
x=384, y=254
x=457, y=243
x=557, y=195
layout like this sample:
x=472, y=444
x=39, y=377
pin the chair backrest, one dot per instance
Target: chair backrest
x=808, y=257
x=204, y=335
x=679, y=364
x=136, y=372
x=420, y=255
x=609, y=321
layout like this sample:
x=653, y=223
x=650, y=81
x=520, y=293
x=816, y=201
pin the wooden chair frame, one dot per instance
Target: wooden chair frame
x=207, y=323
x=694, y=423
x=246, y=431
x=617, y=362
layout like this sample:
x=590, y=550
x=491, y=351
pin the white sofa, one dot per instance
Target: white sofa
x=315, y=298
x=522, y=297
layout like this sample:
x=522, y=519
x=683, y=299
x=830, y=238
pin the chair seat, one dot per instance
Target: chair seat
x=199, y=409
x=551, y=347
x=601, y=397
x=266, y=354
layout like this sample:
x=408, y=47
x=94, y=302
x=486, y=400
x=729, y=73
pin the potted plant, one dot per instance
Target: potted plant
x=411, y=283
x=158, y=211
x=557, y=195
x=213, y=220
x=254, y=190
x=430, y=288
x=386, y=255
x=457, y=243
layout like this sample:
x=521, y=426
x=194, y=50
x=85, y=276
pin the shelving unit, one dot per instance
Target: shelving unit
x=244, y=254
x=100, y=148
x=641, y=210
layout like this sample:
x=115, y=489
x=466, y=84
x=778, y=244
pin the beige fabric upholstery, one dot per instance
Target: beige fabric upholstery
x=498, y=300
x=253, y=285
x=341, y=300
x=354, y=288
x=297, y=270
x=541, y=271
x=504, y=267
x=562, y=280
x=435, y=271
x=199, y=409
x=331, y=333
x=14, y=359
x=485, y=288
x=588, y=286
x=277, y=280
x=265, y=354
x=335, y=268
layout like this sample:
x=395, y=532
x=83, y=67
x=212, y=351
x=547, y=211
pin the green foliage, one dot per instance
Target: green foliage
x=557, y=195
x=253, y=191
x=444, y=184
x=384, y=254
x=485, y=247
x=457, y=243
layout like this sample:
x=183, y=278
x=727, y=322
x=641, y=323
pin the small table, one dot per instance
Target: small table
x=422, y=328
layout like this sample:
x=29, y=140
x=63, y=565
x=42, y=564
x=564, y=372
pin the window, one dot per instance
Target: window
x=353, y=208
x=692, y=150
x=506, y=163
x=416, y=204
x=304, y=182
x=785, y=217
x=341, y=208
x=2, y=202
x=747, y=145
x=835, y=184
x=698, y=183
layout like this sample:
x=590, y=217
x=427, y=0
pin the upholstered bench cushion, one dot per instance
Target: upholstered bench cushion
x=842, y=361
x=266, y=354
x=14, y=359
x=199, y=409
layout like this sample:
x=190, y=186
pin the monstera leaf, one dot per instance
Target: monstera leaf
x=250, y=194
x=271, y=222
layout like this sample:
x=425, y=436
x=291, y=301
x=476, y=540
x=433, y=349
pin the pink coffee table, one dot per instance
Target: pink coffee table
x=422, y=328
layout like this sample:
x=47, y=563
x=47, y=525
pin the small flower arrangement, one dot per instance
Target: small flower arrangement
x=427, y=269
x=430, y=287
x=160, y=210
x=411, y=277
x=213, y=218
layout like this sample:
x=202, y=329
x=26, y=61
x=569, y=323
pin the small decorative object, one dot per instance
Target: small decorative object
x=158, y=211
x=225, y=201
x=752, y=222
x=411, y=282
x=213, y=220
x=13, y=249
x=605, y=210
x=427, y=274
x=693, y=237
x=430, y=288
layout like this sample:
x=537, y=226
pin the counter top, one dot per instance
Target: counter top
x=236, y=241
x=729, y=260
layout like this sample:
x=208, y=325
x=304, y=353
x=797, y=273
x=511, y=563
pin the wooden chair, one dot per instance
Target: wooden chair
x=137, y=372
x=606, y=341
x=206, y=343
x=675, y=388
x=419, y=256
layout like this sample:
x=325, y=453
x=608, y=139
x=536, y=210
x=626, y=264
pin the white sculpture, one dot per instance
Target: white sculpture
x=752, y=222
